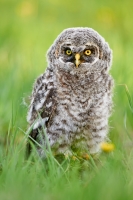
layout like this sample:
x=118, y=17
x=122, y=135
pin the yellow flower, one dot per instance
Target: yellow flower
x=107, y=147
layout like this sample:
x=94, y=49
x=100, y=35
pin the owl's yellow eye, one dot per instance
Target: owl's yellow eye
x=68, y=52
x=87, y=52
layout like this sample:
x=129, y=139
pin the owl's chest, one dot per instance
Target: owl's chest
x=73, y=104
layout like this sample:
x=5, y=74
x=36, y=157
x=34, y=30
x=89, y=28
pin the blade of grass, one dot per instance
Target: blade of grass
x=128, y=97
x=125, y=125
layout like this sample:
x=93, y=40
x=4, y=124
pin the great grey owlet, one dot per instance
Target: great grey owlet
x=72, y=100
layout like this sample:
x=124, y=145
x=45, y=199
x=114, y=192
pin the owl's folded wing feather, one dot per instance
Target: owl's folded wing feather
x=43, y=104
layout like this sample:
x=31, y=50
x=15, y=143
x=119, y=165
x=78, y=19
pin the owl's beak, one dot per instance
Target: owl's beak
x=77, y=59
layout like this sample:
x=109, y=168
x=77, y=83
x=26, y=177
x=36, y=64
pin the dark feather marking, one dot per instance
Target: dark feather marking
x=49, y=111
x=45, y=111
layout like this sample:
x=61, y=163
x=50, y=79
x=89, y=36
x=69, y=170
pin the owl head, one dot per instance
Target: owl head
x=79, y=50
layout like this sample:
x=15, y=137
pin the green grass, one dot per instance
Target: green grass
x=27, y=29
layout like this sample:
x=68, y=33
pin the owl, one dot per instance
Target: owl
x=72, y=100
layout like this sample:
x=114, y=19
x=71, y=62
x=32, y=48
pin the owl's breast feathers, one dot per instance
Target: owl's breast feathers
x=62, y=103
x=51, y=90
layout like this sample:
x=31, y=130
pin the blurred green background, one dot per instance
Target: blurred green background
x=28, y=28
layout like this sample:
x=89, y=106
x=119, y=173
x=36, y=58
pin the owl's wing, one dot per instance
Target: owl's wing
x=43, y=103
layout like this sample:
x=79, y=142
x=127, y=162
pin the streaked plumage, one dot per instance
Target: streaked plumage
x=74, y=95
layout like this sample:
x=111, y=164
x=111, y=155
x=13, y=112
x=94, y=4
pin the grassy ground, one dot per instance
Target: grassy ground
x=27, y=29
